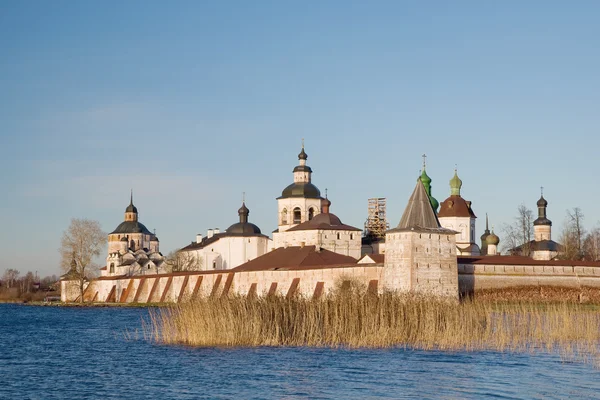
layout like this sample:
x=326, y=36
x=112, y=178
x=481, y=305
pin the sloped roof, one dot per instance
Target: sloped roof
x=377, y=258
x=295, y=257
x=324, y=221
x=456, y=206
x=542, y=245
x=131, y=227
x=419, y=214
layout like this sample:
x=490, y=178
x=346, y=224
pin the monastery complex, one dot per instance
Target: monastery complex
x=433, y=250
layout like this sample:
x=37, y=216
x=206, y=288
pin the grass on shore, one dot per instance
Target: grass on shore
x=388, y=320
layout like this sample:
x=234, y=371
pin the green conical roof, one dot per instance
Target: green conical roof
x=455, y=184
x=426, y=180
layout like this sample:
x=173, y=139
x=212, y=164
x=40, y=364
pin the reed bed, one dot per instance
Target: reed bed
x=375, y=321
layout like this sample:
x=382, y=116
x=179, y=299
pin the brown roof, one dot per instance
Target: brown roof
x=324, y=221
x=419, y=214
x=522, y=260
x=295, y=257
x=456, y=206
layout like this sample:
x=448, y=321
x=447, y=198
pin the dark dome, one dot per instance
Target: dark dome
x=307, y=190
x=131, y=208
x=124, y=239
x=154, y=239
x=131, y=227
x=244, y=228
x=542, y=202
x=243, y=209
x=302, y=155
x=302, y=168
x=542, y=221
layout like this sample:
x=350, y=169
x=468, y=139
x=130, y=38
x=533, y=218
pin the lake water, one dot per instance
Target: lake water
x=84, y=353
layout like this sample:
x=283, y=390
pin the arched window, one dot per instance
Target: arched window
x=297, y=215
x=338, y=236
x=311, y=213
x=284, y=217
x=112, y=268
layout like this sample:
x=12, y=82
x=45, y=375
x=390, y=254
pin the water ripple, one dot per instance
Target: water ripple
x=80, y=353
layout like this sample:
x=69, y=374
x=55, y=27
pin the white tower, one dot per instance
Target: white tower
x=300, y=201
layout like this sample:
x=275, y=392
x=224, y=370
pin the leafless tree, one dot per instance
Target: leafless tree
x=81, y=243
x=178, y=260
x=10, y=277
x=591, y=245
x=518, y=235
x=573, y=235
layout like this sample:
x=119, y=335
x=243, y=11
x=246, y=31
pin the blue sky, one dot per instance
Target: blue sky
x=193, y=103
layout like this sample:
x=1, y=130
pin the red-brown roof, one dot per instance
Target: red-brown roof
x=295, y=257
x=456, y=206
x=522, y=260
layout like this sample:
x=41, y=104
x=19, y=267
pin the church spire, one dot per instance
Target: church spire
x=302, y=173
x=131, y=212
x=418, y=212
x=426, y=180
x=455, y=184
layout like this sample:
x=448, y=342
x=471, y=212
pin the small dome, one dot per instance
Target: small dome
x=124, y=239
x=131, y=208
x=154, y=239
x=492, y=239
x=243, y=210
x=302, y=155
x=542, y=202
x=455, y=184
x=425, y=178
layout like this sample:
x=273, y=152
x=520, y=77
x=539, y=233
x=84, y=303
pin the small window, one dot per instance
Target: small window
x=284, y=217
x=338, y=236
x=297, y=215
x=112, y=268
x=311, y=213
x=214, y=265
x=352, y=236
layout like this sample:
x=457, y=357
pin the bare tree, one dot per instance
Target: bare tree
x=81, y=243
x=10, y=277
x=573, y=235
x=518, y=236
x=178, y=260
x=591, y=245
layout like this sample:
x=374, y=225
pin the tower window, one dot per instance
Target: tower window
x=311, y=213
x=351, y=236
x=284, y=217
x=297, y=215
x=338, y=236
x=112, y=268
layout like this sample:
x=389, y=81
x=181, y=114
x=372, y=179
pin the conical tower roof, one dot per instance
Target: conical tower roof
x=419, y=214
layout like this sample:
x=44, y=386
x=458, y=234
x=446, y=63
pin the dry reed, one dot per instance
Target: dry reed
x=387, y=320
